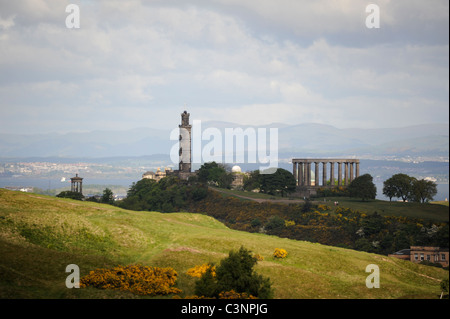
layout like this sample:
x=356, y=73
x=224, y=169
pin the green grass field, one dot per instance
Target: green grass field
x=41, y=235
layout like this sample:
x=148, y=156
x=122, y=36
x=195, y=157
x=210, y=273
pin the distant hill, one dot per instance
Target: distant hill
x=308, y=139
x=41, y=235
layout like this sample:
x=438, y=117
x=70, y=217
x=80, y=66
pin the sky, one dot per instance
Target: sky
x=254, y=62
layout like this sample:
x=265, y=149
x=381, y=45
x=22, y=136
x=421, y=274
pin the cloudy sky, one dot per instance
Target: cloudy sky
x=141, y=63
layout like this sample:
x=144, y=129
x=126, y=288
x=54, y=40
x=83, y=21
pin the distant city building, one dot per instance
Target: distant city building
x=20, y=189
x=417, y=254
x=158, y=175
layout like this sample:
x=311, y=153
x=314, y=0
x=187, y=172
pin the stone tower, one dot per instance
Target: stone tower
x=185, y=144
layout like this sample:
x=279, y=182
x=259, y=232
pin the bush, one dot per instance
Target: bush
x=138, y=279
x=198, y=271
x=71, y=195
x=259, y=257
x=280, y=253
x=235, y=273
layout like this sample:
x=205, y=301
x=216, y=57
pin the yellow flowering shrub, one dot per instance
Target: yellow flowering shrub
x=323, y=207
x=138, y=279
x=280, y=253
x=258, y=257
x=198, y=271
x=235, y=295
x=288, y=223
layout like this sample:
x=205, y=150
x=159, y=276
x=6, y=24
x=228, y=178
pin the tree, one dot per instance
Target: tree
x=389, y=190
x=235, y=273
x=399, y=185
x=215, y=173
x=108, y=196
x=167, y=195
x=363, y=187
x=282, y=182
x=423, y=190
x=252, y=181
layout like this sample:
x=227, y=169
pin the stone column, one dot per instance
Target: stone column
x=316, y=174
x=357, y=168
x=294, y=171
x=324, y=174
x=339, y=173
x=346, y=173
x=351, y=171
x=332, y=174
x=308, y=173
x=301, y=175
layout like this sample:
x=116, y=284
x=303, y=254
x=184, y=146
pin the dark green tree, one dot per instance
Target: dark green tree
x=363, y=187
x=108, y=196
x=235, y=273
x=281, y=182
x=167, y=195
x=389, y=190
x=423, y=190
x=212, y=172
x=252, y=181
x=206, y=286
x=399, y=185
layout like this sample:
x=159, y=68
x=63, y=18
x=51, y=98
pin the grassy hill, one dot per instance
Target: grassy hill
x=41, y=235
x=426, y=211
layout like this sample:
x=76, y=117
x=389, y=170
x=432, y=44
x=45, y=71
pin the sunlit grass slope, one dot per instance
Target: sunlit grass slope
x=41, y=235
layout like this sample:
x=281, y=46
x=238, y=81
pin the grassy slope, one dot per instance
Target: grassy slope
x=437, y=213
x=40, y=236
x=429, y=211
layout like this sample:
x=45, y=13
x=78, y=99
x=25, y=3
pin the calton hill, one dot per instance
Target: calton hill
x=348, y=217
x=199, y=238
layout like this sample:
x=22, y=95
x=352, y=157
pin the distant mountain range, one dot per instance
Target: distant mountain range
x=302, y=140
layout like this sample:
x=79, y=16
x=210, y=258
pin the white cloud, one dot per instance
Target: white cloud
x=259, y=61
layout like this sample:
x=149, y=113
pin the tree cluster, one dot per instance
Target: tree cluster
x=409, y=188
x=169, y=194
x=281, y=182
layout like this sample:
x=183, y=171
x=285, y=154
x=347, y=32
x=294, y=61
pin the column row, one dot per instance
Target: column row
x=302, y=172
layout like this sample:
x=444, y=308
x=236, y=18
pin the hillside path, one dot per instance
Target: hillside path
x=260, y=200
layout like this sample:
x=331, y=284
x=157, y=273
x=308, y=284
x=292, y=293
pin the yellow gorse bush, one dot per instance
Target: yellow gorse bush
x=235, y=295
x=258, y=257
x=198, y=271
x=138, y=279
x=280, y=253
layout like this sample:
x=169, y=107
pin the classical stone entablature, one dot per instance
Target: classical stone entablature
x=347, y=170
